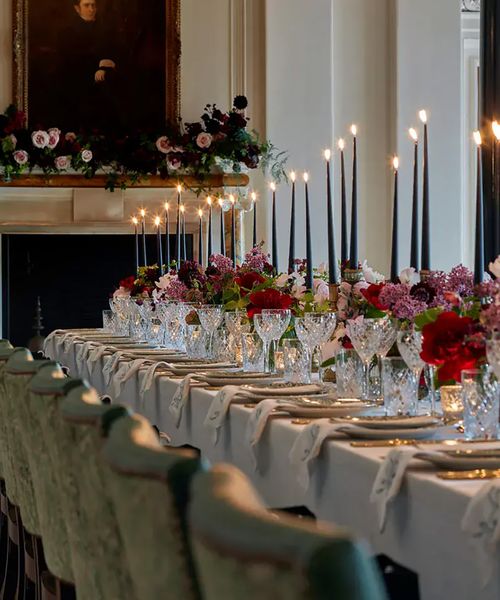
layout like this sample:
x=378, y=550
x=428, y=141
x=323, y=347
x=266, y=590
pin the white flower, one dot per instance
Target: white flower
x=321, y=291
x=21, y=157
x=323, y=268
x=204, y=140
x=164, y=281
x=409, y=276
x=54, y=137
x=174, y=163
x=121, y=292
x=63, y=162
x=282, y=280
x=163, y=144
x=87, y=155
x=370, y=275
x=40, y=139
x=494, y=267
x=298, y=290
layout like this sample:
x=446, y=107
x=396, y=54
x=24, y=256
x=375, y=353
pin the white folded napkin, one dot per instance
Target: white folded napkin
x=49, y=344
x=110, y=366
x=125, y=372
x=97, y=353
x=481, y=523
x=256, y=425
x=388, y=480
x=147, y=380
x=219, y=408
x=83, y=352
x=181, y=398
x=308, y=444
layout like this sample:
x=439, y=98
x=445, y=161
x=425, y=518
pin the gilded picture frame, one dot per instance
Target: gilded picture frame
x=142, y=84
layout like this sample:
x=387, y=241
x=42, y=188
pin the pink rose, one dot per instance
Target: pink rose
x=40, y=139
x=63, y=162
x=204, y=140
x=21, y=157
x=54, y=136
x=174, y=163
x=321, y=291
x=163, y=144
x=70, y=137
x=87, y=155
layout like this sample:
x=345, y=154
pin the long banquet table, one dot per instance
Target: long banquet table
x=423, y=531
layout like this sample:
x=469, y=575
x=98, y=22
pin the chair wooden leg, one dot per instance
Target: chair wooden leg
x=4, y=535
x=55, y=589
x=30, y=568
x=12, y=588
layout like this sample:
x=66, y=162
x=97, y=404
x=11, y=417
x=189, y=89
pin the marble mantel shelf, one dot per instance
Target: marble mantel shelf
x=218, y=180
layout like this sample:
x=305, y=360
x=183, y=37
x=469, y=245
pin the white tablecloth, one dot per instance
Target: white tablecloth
x=423, y=531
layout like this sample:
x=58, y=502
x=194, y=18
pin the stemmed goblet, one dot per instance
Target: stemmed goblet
x=271, y=324
x=210, y=316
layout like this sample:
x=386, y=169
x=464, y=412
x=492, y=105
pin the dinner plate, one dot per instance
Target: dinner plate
x=315, y=410
x=462, y=460
x=284, y=389
x=355, y=431
x=186, y=369
x=235, y=380
x=384, y=422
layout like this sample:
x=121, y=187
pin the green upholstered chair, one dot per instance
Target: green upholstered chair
x=6, y=349
x=150, y=488
x=243, y=551
x=19, y=370
x=98, y=554
x=46, y=390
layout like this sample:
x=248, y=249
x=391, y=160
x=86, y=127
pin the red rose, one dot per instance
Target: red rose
x=372, y=293
x=449, y=345
x=247, y=281
x=267, y=299
x=128, y=282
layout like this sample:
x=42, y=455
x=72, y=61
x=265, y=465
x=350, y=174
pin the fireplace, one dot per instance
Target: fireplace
x=72, y=274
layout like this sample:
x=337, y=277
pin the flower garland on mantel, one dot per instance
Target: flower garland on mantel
x=219, y=141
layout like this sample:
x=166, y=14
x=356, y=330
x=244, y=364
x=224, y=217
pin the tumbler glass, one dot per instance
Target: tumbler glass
x=481, y=399
x=296, y=362
x=252, y=349
x=399, y=387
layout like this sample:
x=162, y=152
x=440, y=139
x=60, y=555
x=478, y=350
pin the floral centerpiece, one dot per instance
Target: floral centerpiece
x=189, y=149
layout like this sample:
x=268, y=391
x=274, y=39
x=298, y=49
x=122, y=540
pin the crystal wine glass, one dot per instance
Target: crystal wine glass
x=210, y=316
x=271, y=324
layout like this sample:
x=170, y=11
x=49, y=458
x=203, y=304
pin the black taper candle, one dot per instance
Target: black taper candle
x=159, y=253
x=184, y=248
x=136, y=236
x=496, y=187
x=395, y=233
x=254, y=204
x=426, y=243
x=209, y=249
x=414, y=254
x=479, y=238
x=291, y=249
x=200, y=238
x=344, y=242
x=167, y=238
x=222, y=229
x=178, y=230
x=309, y=258
x=332, y=260
x=274, y=231
x=143, y=232
x=353, y=253
x=233, y=229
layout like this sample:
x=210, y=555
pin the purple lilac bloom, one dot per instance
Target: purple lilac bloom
x=177, y=290
x=222, y=263
x=408, y=308
x=256, y=259
x=461, y=281
x=490, y=317
x=393, y=292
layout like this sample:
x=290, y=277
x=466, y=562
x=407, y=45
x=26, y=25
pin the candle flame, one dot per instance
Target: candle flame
x=209, y=201
x=182, y=208
x=341, y=144
x=496, y=129
x=422, y=114
x=231, y=199
x=413, y=134
x=395, y=163
x=253, y=196
x=221, y=201
x=272, y=185
x=135, y=220
x=477, y=137
x=157, y=221
x=354, y=130
x=200, y=213
x=328, y=154
x=293, y=176
x=306, y=177
x=166, y=206
x=179, y=188
x=143, y=213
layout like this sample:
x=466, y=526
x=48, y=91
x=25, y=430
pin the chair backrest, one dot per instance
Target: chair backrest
x=243, y=551
x=150, y=487
x=20, y=369
x=6, y=349
x=99, y=561
x=47, y=389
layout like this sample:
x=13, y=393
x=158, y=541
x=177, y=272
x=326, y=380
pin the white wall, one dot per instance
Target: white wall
x=429, y=76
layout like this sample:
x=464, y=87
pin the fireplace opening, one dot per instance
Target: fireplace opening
x=73, y=275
